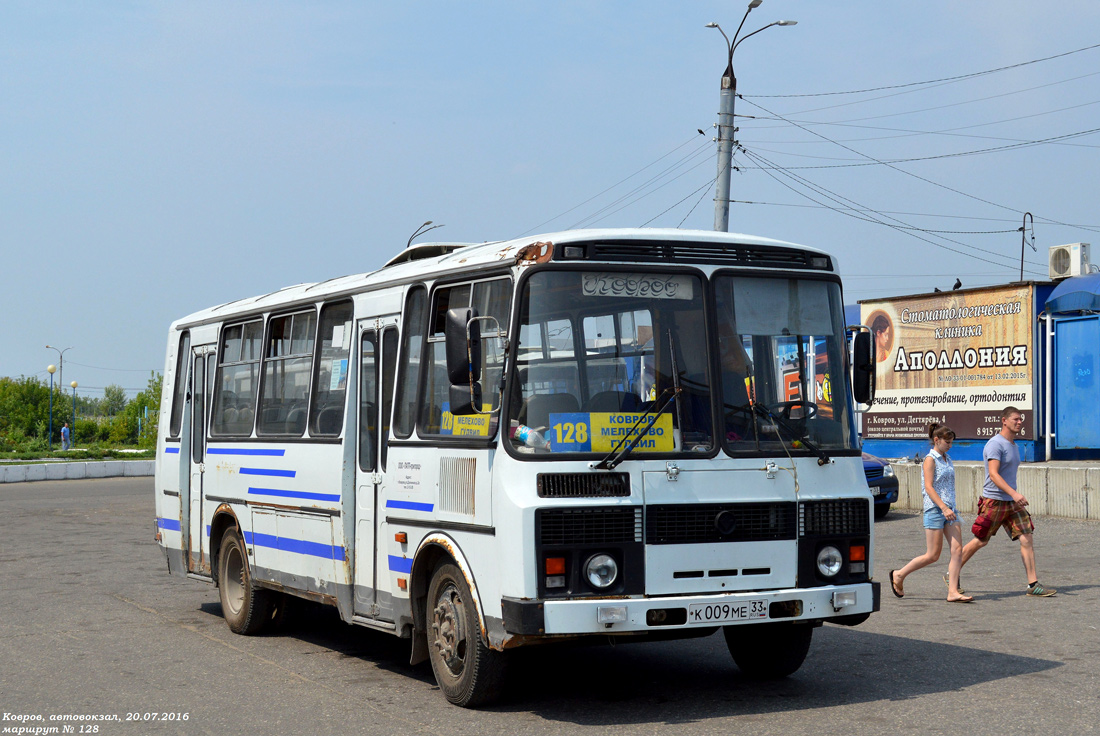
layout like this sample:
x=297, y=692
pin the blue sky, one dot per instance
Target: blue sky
x=159, y=158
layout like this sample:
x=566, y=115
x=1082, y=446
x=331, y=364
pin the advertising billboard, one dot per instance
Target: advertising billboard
x=957, y=358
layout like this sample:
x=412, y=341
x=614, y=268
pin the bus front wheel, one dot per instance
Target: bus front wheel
x=468, y=672
x=246, y=607
x=768, y=651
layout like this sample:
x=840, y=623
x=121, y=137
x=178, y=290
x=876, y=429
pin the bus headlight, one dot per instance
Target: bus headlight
x=602, y=571
x=829, y=561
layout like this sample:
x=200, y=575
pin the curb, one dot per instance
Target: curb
x=76, y=471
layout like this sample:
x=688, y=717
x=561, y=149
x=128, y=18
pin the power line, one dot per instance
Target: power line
x=120, y=370
x=822, y=191
x=941, y=79
x=995, y=149
x=705, y=186
x=607, y=210
x=910, y=214
x=900, y=170
x=938, y=107
x=701, y=196
x=909, y=132
x=599, y=194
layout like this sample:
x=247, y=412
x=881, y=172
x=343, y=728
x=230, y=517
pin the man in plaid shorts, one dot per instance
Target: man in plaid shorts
x=1001, y=504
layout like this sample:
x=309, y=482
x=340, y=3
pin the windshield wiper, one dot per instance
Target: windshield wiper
x=654, y=411
x=763, y=410
x=616, y=455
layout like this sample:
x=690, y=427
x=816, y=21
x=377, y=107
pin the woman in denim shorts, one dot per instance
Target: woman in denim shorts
x=941, y=517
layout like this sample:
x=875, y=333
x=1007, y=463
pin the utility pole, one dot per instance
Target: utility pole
x=726, y=128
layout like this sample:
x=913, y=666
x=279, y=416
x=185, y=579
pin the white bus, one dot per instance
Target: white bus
x=615, y=433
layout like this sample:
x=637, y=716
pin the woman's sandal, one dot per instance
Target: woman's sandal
x=964, y=599
x=899, y=592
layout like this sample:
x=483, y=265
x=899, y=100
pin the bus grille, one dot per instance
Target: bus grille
x=589, y=526
x=845, y=516
x=712, y=522
x=583, y=485
x=716, y=253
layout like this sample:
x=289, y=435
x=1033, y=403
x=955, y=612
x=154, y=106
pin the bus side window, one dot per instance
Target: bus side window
x=368, y=401
x=284, y=393
x=237, y=379
x=330, y=374
x=411, y=350
x=389, y=371
x=180, y=391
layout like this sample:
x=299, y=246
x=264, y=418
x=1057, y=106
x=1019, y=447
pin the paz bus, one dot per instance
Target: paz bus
x=597, y=433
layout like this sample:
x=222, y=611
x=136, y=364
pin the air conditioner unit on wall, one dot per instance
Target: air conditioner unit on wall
x=1069, y=260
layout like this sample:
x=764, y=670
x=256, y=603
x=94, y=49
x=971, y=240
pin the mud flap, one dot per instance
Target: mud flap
x=419, y=651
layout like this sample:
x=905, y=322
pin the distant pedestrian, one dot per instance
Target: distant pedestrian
x=1001, y=504
x=941, y=517
x=65, y=436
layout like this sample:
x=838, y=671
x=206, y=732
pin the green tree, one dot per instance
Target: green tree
x=114, y=400
x=142, y=414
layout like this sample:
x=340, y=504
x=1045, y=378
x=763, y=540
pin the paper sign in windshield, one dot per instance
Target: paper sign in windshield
x=602, y=432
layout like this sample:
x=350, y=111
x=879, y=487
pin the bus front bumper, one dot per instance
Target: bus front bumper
x=842, y=603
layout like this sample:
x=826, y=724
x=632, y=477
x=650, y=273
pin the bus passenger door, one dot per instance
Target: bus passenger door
x=377, y=366
x=202, y=365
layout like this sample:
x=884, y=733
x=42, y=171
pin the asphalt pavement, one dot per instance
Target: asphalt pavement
x=91, y=624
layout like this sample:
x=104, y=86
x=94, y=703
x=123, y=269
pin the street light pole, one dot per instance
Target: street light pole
x=50, y=369
x=726, y=127
x=61, y=364
x=1023, y=240
x=72, y=431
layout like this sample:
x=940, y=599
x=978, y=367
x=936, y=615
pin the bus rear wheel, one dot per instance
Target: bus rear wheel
x=247, y=608
x=769, y=651
x=467, y=671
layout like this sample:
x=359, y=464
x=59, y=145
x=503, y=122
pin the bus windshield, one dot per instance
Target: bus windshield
x=598, y=352
x=782, y=369
x=596, y=349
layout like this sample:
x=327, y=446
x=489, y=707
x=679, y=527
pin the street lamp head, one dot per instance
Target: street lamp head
x=73, y=384
x=712, y=24
x=787, y=23
x=51, y=369
x=755, y=4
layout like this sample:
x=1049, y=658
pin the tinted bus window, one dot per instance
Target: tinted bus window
x=330, y=383
x=180, y=391
x=237, y=379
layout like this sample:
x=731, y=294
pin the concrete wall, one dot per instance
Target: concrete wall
x=1051, y=490
x=76, y=471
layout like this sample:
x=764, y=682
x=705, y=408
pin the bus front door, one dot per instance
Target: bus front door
x=377, y=366
x=202, y=366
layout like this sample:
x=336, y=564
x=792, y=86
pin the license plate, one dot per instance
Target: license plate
x=721, y=612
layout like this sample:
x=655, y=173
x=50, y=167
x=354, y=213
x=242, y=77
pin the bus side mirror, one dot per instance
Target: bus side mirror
x=465, y=399
x=463, y=335
x=863, y=368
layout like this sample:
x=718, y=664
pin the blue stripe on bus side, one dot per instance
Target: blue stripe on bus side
x=401, y=564
x=294, y=494
x=409, y=505
x=169, y=524
x=268, y=471
x=171, y=450
x=298, y=546
x=244, y=451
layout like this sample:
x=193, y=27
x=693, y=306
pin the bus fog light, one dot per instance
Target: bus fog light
x=829, y=561
x=555, y=581
x=844, y=598
x=602, y=571
x=611, y=614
